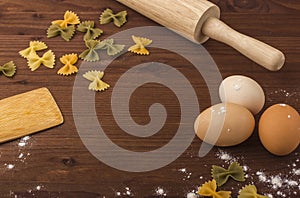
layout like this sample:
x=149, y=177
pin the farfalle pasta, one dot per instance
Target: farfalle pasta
x=90, y=31
x=56, y=30
x=96, y=77
x=140, y=45
x=209, y=189
x=91, y=53
x=33, y=47
x=69, y=68
x=221, y=175
x=8, y=69
x=118, y=19
x=250, y=191
x=111, y=48
x=70, y=18
x=65, y=28
x=35, y=61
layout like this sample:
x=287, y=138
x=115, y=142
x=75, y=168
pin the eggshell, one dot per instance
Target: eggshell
x=224, y=124
x=279, y=129
x=244, y=91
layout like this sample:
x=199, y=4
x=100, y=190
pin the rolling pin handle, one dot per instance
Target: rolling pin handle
x=261, y=53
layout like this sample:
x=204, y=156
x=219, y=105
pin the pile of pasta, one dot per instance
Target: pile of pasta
x=220, y=176
x=66, y=29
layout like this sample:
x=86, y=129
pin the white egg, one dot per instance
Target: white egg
x=244, y=91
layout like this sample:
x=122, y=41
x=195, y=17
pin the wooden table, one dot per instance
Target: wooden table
x=55, y=163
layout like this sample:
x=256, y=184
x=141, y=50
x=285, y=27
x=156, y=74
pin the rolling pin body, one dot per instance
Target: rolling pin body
x=198, y=20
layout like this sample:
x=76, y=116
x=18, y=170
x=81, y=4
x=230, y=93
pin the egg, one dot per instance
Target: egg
x=224, y=124
x=279, y=129
x=244, y=91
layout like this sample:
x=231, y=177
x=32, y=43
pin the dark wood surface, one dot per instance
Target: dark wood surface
x=55, y=162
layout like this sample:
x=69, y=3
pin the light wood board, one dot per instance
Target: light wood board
x=27, y=113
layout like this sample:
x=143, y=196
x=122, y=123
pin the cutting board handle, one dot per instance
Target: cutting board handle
x=261, y=53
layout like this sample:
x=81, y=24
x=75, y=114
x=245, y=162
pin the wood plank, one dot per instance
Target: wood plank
x=57, y=164
x=28, y=113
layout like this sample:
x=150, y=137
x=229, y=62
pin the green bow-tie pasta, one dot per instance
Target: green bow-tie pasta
x=90, y=31
x=8, y=69
x=221, y=175
x=66, y=33
x=91, y=53
x=112, y=49
x=119, y=19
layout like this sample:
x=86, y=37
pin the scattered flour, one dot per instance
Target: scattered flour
x=291, y=182
x=296, y=171
x=187, y=175
x=285, y=184
x=23, y=141
x=21, y=144
x=261, y=176
x=38, y=187
x=269, y=195
x=9, y=166
x=276, y=182
x=226, y=157
x=191, y=195
x=20, y=155
x=128, y=192
x=159, y=191
x=245, y=168
x=281, y=183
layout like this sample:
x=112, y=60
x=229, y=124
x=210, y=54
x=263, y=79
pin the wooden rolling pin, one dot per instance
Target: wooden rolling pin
x=198, y=20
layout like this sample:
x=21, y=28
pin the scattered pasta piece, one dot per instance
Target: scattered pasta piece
x=90, y=31
x=221, y=175
x=250, y=191
x=8, y=69
x=66, y=33
x=107, y=16
x=70, y=18
x=97, y=84
x=48, y=60
x=140, y=44
x=69, y=68
x=209, y=189
x=112, y=49
x=33, y=47
x=91, y=54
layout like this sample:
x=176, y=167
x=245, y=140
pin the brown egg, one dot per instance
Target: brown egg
x=224, y=124
x=279, y=129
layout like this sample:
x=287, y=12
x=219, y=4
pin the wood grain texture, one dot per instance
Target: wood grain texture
x=261, y=53
x=199, y=20
x=173, y=14
x=28, y=113
x=57, y=162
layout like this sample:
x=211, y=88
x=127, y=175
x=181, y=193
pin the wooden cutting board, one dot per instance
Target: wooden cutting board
x=27, y=113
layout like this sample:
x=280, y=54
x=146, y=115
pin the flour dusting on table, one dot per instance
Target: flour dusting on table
x=226, y=157
x=159, y=191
